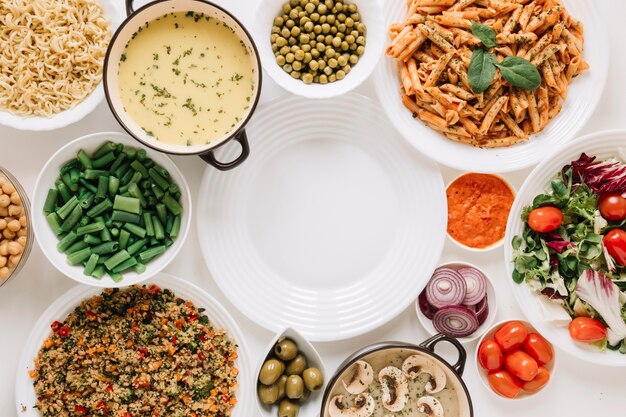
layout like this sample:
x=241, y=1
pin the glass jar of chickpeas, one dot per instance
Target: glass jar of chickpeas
x=16, y=236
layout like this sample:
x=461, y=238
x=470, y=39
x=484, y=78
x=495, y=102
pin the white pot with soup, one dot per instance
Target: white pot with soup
x=183, y=77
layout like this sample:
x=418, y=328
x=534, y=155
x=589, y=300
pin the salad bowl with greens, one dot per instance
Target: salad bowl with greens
x=565, y=248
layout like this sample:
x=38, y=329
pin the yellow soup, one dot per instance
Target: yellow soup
x=186, y=78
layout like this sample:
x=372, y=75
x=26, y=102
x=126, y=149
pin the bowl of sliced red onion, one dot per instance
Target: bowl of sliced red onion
x=459, y=301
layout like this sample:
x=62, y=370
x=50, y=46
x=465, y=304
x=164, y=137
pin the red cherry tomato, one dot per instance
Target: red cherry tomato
x=64, y=332
x=545, y=219
x=615, y=243
x=612, y=207
x=490, y=355
x=586, y=329
x=538, y=348
x=55, y=326
x=542, y=378
x=504, y=383
x=521, y=365
x=511, y=335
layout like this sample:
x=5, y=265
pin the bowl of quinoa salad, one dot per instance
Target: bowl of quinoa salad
x=163, y=348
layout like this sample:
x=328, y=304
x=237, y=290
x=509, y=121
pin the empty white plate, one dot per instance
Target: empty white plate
x=333, y=225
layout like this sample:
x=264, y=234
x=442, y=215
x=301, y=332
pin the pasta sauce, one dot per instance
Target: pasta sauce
x=478, y=209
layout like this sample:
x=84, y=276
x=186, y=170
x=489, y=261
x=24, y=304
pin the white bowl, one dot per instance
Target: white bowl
x=48, y=240
x=64, y=305
x=583, y=96
x=310, y=407
x=371, y=16
x=482, y=373
x=115, y=12
x=603, y=144
x=491, y=301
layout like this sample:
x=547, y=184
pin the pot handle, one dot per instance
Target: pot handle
x=129, y=7
x=429, y=344
x=240, y=137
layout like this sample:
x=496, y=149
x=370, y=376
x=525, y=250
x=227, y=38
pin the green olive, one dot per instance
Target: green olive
x=313, y=379
x=294, y=387
x=282, y=381
x=305, y=395
x=271, y=369
x=268, y=394
x=288, y=408
x=299, y=363
x=286, y=349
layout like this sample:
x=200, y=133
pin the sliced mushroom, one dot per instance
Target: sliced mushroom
x=361, y=378
x=430, y=406
x=395, y=388
x=415, y=365
x=437, y=380
x=364, y=406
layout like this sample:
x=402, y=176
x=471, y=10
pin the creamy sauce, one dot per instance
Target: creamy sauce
x=379, y=360
x=186, y=78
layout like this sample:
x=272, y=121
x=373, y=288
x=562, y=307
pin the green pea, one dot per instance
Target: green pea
x=325, y=28
x=339, y=6
x=360, y=40
x=316, y=79
x=354, y=33
x=342, y=60
x=306, y=47
x=353, y=47
x=275, y=49
x=328, y=70
x=290, y=23
x=294, y=3
x=350, y=39
x=307, y=78
x=336, y=42
x=285, y=33
x=340, y=74
x=322, y=9
x=287, y=68
x=280, y=41
x=280, y=60
x=275, y=29
x=317, y=29
x=321, y=63
x=295, y=74
x=341, y=17
x=346, y=69
x=354, y=59
x=308, y=27
x=315, y=17
x=328, y=40
x=293, y=14
x=323, y=79
x=352, y=8
x=333, y=30
x=292, y=41
x=320, y=46
x=349, y=22
x=314, y=65
x=307, y=57
x=304, y=20
x=332, y=78
x=332, y=63
x=360, y=49
x=330, y=52
x=309, y=8
x=315, y=53
x=299, y=55
x=360, y=27
x=278, y=21
x=344, y=46
x=290, y=57
x=295, y=31
x=294, y=48
x=285, y=50
x=273, y=37
x=323, y=18
x=331, y=19
x=297, y=66
x=341, y=27
x=329, y=3
x=286, y=8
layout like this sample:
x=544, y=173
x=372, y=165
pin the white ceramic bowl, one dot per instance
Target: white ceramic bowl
x=490, y=248
x=114, y=10
x=371, y=16
x=583, y=96
x=491, y=300
x=310, y=407
x=64, y=305
x=604, y=145
x=47, y=239
x=482, y=373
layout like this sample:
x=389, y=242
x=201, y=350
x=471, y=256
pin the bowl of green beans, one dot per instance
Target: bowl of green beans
x=320, y=48
x=109, y=212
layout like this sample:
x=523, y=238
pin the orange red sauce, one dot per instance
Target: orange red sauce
x=478, y=209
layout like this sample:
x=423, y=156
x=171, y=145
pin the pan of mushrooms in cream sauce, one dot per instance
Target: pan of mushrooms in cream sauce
x=395, y=379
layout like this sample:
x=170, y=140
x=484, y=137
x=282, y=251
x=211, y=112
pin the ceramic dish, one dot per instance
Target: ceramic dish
x=48, y=241
x=603, y=145
x=294, y=239
x=371, y=15
x=310, y=406
x=482, y=373
x=583, y=96
x=115, y=13
x=491, y=297
x=25, y=393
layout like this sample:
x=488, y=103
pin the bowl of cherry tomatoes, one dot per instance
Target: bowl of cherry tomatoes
x=514, y=361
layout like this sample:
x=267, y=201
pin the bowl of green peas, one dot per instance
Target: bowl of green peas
x=320, y=48
x=109, y=212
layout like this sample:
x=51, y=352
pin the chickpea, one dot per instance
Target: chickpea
x=23, y=221
x=15, y=248
x=15, y=198
x=4, y=248
x=8, y=188
x=3, y=261
x=22, y=241
x=22, y=232
x=5, y=200
x=14, y=260
x=3, y=224
x=4, y=273
x=15, y=210
x=4, y=211
x=13, y=225
x=8, y=234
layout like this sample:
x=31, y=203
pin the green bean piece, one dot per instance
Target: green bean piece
x=67, y=241
x=67, y=208
x=138, y=166
x=77, y=246
x=162, y=212
x=125, y=217
x=169, y=224
x=174, y=189
x=152, y=252
x=154, y=242
x=103, y=187
x=99, y=271
x=149, y=163
x=139, y=268
x=141, y=154
x=106, y=247
x=168, y=242
x=71, y=220
x=157, y=191
x=86, y=200
x=176, y=195
x=108, y=222
x=162, y=171
x=91, y=264
x=114, y=185
x=51, y=200
x=74, y=175
x=116, y=277
x=152, y=201
x=175, y=227
x=115, y=232
x=92, y=240
x=135, y=230
x=116, y=259
x=133, y=180
x=125, y=179
x=118, y=161
x=68, y=182
x=84, y=221
x=128, y=204
x=123, y=239
x=137, y=246
x=92, y=174
x=84, y=159
x=67, y=167
x=122, y=170
x=90, y=228
x=130, y=152
x=158, y=179
x=125, y=265
x=106, y=147
x=99, y=208
x=79, y=257
x=159, y=233
x=172, y=204
x=105, y=235
x=134, y=191
x=88, y=186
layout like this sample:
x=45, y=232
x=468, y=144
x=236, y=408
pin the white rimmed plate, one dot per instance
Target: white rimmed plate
x=583, y=96
x=603, y=145
x=219, y=317
x=114, y=10
x=333, y=226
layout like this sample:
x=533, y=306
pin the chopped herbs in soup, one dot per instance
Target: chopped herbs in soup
x=186, y=78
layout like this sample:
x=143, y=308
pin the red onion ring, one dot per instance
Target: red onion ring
x=445, y=288
x=476, y=285
x=427, y=310
x=455, y=321
x=482, y=310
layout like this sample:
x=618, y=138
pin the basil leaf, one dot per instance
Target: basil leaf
x=481, y=70
x=517, y=242
x=486, y=35
x=520, y=73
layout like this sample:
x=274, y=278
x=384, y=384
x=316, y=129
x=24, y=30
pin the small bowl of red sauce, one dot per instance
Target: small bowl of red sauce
x=478, y=210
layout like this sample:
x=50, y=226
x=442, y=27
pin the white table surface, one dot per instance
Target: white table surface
x=578, y=389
